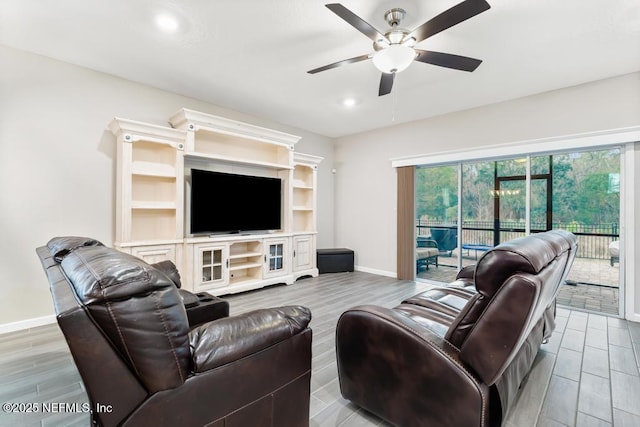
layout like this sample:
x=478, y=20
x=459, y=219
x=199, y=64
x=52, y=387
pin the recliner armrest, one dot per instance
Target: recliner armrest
x=170, y=270
x=225, y=340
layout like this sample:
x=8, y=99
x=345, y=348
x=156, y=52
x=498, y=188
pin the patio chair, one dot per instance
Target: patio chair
x=446, y=238
x=614, y=251
x=426, y=253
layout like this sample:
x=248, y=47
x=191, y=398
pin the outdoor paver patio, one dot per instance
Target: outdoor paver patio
x=592, y=283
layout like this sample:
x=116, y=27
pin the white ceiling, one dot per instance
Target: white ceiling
x=252, y=55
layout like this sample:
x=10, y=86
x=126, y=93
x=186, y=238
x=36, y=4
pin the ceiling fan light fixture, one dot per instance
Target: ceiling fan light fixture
x=394, y=59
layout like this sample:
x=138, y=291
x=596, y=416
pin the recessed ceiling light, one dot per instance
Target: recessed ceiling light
x=166, y=23
x=349, y=102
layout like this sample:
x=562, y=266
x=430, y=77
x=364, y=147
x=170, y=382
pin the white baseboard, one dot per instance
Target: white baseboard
x=26, y=324
x=376, y=271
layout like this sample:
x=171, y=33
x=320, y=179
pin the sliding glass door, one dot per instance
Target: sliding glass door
x=586, y=201
x=478, y=219
x=504, y=199
x=436, y=222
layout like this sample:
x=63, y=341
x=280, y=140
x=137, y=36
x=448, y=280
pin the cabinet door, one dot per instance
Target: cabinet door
x=155, y=253
x=302, y=253
x=276, y=254
x=211, y=268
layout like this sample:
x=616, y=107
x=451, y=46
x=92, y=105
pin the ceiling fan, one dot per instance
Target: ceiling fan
x=394, y=50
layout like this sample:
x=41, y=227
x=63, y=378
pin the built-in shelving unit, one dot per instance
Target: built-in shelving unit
x=304, y=192
x=151, y=208
x=304, y=209
x=149, y=188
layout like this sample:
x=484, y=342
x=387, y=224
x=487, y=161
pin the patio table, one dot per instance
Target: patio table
x=475, y=247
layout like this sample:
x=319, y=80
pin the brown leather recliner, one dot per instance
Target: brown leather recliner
x=456, y=355
x=128, y=332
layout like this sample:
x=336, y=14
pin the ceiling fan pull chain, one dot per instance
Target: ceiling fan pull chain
x=394, y=106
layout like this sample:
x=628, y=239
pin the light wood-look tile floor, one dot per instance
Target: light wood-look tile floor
x=587, y=375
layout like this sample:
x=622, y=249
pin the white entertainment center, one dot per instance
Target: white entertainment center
x=152, y=200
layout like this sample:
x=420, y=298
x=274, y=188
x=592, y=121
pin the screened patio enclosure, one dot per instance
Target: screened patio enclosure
x=482, y=204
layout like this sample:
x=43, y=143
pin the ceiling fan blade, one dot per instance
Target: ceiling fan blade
x=355, y=21
x=448, y=60
x=386, y=83
x=339, y=63
x=458, y=13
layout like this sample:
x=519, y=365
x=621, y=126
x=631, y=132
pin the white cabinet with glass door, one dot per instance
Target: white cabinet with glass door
x=276, y=257
x=211, y=267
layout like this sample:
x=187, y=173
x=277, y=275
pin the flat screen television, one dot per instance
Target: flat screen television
x=232, y=203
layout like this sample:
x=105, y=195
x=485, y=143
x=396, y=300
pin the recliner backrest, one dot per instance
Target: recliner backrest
x=516, y=282
x=135, y=305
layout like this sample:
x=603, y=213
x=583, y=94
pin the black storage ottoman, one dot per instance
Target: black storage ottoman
x=203, y=307
x=335, y=260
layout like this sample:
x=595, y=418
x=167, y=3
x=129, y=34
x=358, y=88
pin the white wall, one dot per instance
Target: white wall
x=58, y=163
x=365, y=187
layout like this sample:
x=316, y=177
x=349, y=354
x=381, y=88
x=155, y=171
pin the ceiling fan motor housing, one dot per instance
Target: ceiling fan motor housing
x=395, y=35
x=394, y=16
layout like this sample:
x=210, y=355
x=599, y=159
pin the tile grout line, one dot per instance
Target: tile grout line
x=606, y=330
